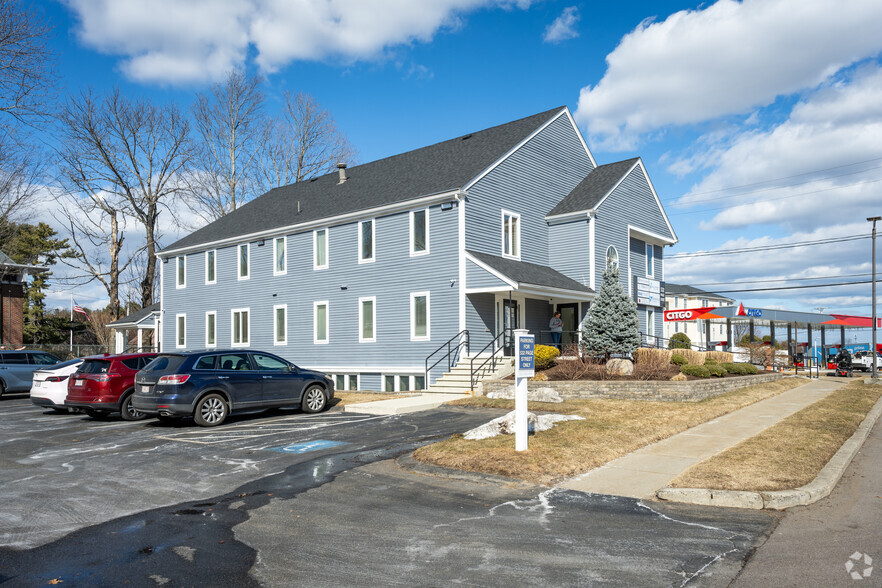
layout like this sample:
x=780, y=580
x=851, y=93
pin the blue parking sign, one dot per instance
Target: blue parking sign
x=525, y=367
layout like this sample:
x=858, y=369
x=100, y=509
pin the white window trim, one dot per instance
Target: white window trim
x=315, y=338
x=214, y=281
x=618, y=259
x=315, y=233
x=247, y=341
x=284, y=270
x=411, y=381
x=347, y=381
x=413, y=252
x=373, y=256
x=276, y=324
x=239, y=247
x=361, y=301
x=178, y=344
x=650, y=259
x=178, y=260
x=514, y=215
x=428, y=335
x=207, y=344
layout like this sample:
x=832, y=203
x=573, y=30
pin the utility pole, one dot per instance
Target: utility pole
x=873, y=220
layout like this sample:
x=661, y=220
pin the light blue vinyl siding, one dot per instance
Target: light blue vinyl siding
x=478, y=277
x=480, y=319
x=633, y=200
x=530, y=182
x=536, y=316
x=391, y=278
x=570, y=250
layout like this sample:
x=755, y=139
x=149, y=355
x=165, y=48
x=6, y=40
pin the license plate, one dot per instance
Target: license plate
x=37, y=384
x=145, y=389
x=79, y=382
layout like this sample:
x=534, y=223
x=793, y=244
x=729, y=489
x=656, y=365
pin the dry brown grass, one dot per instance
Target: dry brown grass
x=654, y=364
x=791, y=453
x=720, y=356
x=612, y=428
x=692, y=356
x=344, y=398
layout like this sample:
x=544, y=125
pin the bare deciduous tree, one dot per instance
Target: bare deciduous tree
x=26, y=65
x=21, y=171
x=229, y=128
x=121, y=158
x=303, y=143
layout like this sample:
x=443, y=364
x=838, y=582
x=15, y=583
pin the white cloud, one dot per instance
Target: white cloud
x=563, y=27
x=168, y=41
x=837, y=126
x=726, y=59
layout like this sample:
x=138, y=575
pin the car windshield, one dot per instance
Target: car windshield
x=69, y=363
x=94, y=366
x=164, y=363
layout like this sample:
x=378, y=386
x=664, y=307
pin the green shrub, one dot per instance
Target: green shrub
x=716, y=370
x=678, y=359
x=741, y=369
x=699, y=371
x=710, y=361
x=545, y=356
x=679, y=341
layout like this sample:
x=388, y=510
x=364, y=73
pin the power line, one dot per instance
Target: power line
x=768, y=247
x=775, y=199
x=788, y=177
x=782, y=280
x=800, y=287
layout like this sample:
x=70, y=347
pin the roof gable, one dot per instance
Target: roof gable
x=436, y=169
x=592, y=190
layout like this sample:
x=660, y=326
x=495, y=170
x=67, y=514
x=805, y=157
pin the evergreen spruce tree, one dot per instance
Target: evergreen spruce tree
x=612, y=321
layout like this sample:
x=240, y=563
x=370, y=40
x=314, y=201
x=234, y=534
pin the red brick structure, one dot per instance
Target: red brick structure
x=11, y=313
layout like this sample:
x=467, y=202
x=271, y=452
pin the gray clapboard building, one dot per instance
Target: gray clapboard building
x=367, y=272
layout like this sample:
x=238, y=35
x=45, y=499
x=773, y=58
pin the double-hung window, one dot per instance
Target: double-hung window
x=211, y=329
x=419, y=316
x=650, y=254
x=419, y=232
x=366, y=241
x=367, y=319
x=320, y=321
x=180, y=331
x=181, y=272
x=244, y=261
x=241, y=331
x=280, y=261
x=211, y=267
x=280, y=324
x=320, y=249
x=511, y=235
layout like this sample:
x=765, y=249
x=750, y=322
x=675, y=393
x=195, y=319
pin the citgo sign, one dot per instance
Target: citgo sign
x=686, y=314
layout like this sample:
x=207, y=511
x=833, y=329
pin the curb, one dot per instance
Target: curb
x=815, y=490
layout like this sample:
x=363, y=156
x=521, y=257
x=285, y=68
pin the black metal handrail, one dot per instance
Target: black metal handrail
x=462, y=341
x=492, y=358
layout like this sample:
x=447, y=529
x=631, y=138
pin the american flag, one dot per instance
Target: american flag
x=79, y=309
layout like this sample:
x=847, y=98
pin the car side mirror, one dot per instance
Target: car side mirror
x=289, y=369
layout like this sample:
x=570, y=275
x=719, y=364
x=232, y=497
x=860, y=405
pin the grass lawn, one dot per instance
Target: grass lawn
x=612, y=428
x=791, y=453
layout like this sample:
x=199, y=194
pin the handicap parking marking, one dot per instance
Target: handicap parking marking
x=247, y=431
x=316, y=445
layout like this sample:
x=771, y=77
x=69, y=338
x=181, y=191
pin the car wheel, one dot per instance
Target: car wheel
x=2, y=388
x=314, y=399
x=128, y=412
x=98, y=415
x=211, y=411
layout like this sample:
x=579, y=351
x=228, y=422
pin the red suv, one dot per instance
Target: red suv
x=105, y=383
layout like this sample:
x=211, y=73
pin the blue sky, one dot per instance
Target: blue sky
x=760, y=122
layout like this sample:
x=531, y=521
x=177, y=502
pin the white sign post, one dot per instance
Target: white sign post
x=524, y=369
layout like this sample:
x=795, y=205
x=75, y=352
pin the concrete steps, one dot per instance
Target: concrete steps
x=458, y=379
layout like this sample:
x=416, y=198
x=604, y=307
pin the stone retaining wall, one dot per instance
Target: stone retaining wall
x=690, y=390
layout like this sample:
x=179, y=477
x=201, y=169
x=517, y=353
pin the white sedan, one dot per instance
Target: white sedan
x=49, y=387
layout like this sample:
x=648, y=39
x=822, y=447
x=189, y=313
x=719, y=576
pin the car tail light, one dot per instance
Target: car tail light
x=174, y=379
x=106, y=377
x=56, y=378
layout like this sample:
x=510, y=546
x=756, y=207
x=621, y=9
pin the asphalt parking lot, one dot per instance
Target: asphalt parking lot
x=322, y=500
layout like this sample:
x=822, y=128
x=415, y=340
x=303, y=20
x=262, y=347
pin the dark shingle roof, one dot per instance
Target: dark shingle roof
x=136, y=316
x=595, y=186
x=683, y=290
x=529, y=273
x=435, y=169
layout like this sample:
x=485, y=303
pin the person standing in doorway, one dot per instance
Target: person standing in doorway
x=555, y=325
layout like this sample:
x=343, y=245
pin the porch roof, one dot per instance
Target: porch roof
x=530, y=278
x=136, y=318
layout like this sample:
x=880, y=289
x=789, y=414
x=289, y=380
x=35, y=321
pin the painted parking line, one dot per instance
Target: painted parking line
x=248, y=431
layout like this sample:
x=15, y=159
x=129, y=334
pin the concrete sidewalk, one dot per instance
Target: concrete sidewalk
x=403, y=405
x=641, y=473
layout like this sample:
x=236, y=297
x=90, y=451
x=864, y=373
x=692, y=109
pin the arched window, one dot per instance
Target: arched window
x=612, y=257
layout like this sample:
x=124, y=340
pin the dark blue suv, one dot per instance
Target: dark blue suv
x=209, y=385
